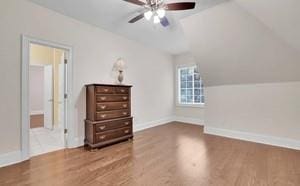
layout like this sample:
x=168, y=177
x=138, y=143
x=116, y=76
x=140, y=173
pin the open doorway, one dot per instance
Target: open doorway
x=46, y=116
x=46, y=99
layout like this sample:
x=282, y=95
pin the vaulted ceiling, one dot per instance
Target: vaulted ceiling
x=234, y=41
x=246, y=41
x=113, y=15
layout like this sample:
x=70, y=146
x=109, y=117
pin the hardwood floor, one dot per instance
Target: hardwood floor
x=37, y=121
x=175, y=154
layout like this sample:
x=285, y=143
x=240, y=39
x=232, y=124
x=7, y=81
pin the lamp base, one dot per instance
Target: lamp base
x=120, y=77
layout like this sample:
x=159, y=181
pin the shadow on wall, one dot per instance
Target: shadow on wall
x=80, y=110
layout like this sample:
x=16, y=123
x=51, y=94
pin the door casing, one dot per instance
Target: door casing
x=25, y=114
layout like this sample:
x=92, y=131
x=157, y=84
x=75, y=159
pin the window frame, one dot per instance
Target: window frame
x=178, y=92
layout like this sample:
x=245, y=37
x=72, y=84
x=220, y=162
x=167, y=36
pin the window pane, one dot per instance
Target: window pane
x=197, y=84
x=189, y=99
x=183, y=92
x=190, y=77
x=189, y=84
x=183, y=84
x=197, y=99
x=202, y=99
x=183, y=71
x=197, y=77
x=197, y=92
x=183, y=77
x=189, y=92
x=191, y=87
x=183, y=99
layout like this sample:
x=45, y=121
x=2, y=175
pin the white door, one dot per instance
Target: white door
x=48, y=97
x=61, y=95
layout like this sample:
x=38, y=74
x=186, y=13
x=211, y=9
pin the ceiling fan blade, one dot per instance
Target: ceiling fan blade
x=135, y=19
x=164, y=21
x=136, y=2
x=181, y=6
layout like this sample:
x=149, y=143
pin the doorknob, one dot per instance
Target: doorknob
x=50, y=100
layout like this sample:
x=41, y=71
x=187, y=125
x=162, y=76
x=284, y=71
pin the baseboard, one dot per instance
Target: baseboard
x=146, y=125
x=36, y=112
x=189, y=120
x=10, y=158
x=76, y=142
x=252, y=137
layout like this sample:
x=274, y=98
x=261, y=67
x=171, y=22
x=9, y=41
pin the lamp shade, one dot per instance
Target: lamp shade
x=119, y=65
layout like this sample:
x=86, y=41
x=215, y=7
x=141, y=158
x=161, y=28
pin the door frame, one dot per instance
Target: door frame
x=25, y=114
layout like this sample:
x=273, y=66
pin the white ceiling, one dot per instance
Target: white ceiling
x=113, y=16
x=246, y=41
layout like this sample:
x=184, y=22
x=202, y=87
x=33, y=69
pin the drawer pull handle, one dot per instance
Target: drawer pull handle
x=126, y=131
x=103, y=106
x=124, y=98
x=103, y=115
x=103, y=98
x=102, y=137
x=126, y=123
x=102, y=127
x=122, y=90
x=124, y=113
x=125, y=106
x=105, y=90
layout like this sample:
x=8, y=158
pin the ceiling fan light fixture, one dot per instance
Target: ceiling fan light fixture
x=148, y=15
x=161, y=13
x=156, y=19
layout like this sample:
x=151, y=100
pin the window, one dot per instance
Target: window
x=190, y=87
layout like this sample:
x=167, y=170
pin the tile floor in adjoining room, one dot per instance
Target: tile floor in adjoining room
x=44, y=140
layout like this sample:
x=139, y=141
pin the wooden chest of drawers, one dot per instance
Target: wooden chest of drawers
x=108, y=114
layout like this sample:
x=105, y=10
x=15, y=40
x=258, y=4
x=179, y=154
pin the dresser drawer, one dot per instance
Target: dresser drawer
x=104, y=90
x=122, y=90
x=113, y=134
x=112, y=114
x=111, y=98
x=115, y=124
x=112, y=106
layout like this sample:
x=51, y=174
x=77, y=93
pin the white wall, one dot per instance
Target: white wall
x=249, y=59
x=186, y=112
x=36, y=88
x=95, y=50
x=270, y=109
x=234, y=47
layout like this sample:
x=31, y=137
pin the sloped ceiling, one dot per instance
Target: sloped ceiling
x=246, y=41
x=113, y=15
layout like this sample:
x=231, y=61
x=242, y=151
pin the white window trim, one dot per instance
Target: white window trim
x=178, y=104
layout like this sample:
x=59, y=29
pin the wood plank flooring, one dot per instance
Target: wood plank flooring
x=174, y=154
x=37, y=121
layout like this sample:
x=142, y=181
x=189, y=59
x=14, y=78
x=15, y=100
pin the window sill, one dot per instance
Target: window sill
x=191, y=105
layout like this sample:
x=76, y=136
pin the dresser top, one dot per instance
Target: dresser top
x=108, y=85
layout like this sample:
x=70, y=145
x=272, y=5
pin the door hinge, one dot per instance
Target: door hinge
x=65, y=131
x=66, y=96
x=66, y=61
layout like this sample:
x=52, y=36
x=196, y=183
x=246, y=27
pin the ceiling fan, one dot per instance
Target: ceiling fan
x=157, y=9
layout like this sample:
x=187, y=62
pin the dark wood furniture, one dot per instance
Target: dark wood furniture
x=108, y=114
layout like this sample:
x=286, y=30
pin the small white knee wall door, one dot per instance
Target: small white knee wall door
x=48, y=96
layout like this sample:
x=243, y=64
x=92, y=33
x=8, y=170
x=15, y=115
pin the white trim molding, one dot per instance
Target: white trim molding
x=252, y=137
x=10, y=158
x=189, y=120
x=150, y=124
x=36, y=112
x=25, y=113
